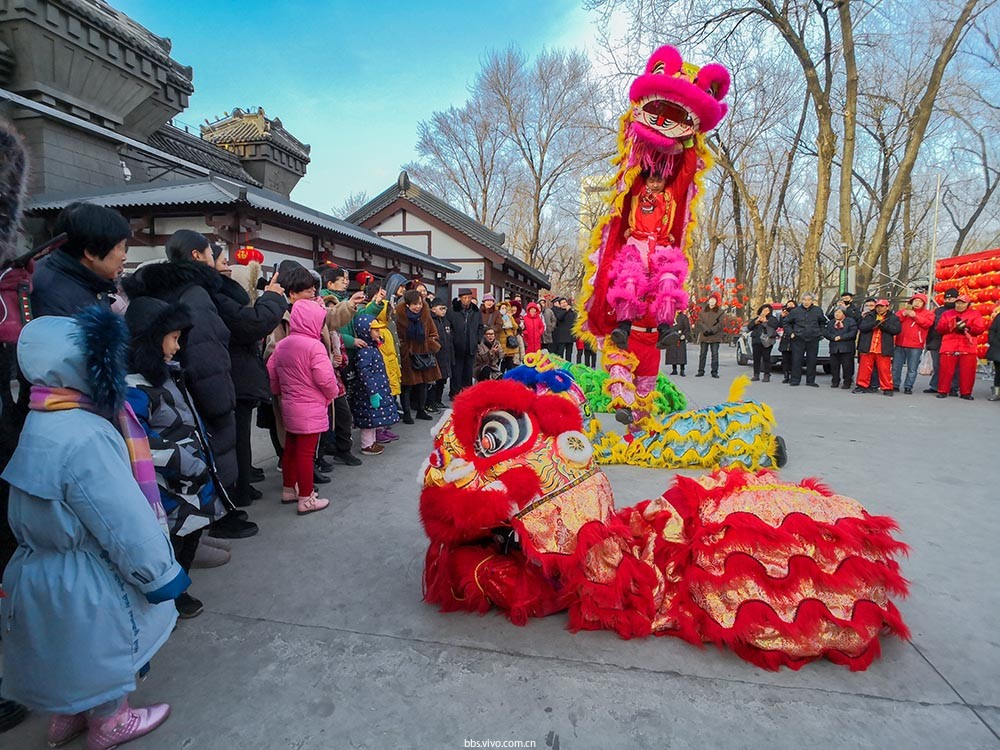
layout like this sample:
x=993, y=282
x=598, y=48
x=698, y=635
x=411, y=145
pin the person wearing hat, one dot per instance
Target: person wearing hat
x=160, y=399
x=877, y=330
x=490, y=312
x=959, y=329
x=934, y=339
x=467, y=331
x=916, y=321
x=445, y=355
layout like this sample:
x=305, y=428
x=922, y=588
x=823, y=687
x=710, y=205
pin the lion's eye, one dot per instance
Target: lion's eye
x=500, y=431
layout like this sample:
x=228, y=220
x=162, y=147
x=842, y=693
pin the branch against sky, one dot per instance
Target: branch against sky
x=515, y=155
x=911, y=63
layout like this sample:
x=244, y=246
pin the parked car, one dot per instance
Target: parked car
x=744, y=352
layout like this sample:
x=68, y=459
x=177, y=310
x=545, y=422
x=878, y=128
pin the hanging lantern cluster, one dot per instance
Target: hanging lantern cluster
x=977, y=274
x=248, y=254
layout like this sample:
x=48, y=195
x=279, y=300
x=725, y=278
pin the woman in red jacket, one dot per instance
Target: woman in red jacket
x=959, y=329
x=917, y=320
x=534, y=326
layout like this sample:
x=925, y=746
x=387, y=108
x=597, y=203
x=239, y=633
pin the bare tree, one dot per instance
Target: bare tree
x=351, y=204
x=547, y=107
x=465, y=157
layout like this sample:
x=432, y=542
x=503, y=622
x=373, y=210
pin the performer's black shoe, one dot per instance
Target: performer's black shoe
x=624, y=416
x=621, y=333
x=667, y=336
x=780, y=451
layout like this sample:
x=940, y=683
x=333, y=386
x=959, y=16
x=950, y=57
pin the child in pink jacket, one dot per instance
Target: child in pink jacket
x=303, y=377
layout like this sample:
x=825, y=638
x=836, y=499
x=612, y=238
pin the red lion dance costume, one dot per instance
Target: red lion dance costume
x=520, y=517
x=637, y=263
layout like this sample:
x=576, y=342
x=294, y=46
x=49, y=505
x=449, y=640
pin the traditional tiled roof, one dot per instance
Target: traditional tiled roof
x=451, y=216
x=103, y=15
x=217, y=191
x=194, y=149
x=254, y=127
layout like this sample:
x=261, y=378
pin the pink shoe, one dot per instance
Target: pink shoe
x=289, y=496
x=385, y=436
x=311, y=504
x=126, y=725
x=64, y=728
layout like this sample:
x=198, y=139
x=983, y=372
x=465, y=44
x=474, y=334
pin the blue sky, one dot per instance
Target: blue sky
x=352, y=79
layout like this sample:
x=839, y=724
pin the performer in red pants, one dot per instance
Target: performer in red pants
x=877, y=330
x=959, y=329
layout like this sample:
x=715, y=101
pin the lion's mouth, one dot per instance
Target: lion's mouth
x=666, y=117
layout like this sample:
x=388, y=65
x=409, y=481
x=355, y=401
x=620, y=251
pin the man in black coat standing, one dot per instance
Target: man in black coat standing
x=806, y=324
x=467, y=331
x=445, y=355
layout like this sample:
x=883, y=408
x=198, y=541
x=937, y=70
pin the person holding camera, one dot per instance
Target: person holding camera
x=763, y=333
x=959, y=329
x=842, y=333
x=489, y=355
x=916, y=321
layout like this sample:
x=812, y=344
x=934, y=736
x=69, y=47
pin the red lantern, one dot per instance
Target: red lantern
x=248, y=254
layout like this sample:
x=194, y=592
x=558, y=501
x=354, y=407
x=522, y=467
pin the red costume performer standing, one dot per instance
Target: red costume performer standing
x=959, y=329
x=649, y=271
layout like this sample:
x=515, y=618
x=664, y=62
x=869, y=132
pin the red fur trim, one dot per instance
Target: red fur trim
x=448, y=579
x=453, y=515
x=852, y=574
x=557, y=414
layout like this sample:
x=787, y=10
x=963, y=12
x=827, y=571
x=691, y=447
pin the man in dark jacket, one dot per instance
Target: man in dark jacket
x=876, y=332
x=82, y=272
x=248, y=325
x=806, y=325
x=933, y=344
x=563, y=339
x=467, y=331
x=445, y=355
x=842, y=332
x=188, y=278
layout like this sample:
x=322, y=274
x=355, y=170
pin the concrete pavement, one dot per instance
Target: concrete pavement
x=315, y=636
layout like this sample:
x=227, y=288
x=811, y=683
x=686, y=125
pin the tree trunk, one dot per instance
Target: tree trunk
x=850, y=127
x=918, y=127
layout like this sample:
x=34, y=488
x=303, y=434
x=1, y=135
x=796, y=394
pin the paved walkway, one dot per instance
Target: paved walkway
x=315, y=635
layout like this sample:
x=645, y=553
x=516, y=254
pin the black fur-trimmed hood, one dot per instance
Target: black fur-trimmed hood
x=149, y=320
x=166, y=281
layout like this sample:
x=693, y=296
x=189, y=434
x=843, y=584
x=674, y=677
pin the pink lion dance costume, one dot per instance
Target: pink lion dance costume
x=637, y=262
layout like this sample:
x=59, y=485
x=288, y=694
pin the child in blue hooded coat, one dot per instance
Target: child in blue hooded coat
x=371, y=398
x=91, y=585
